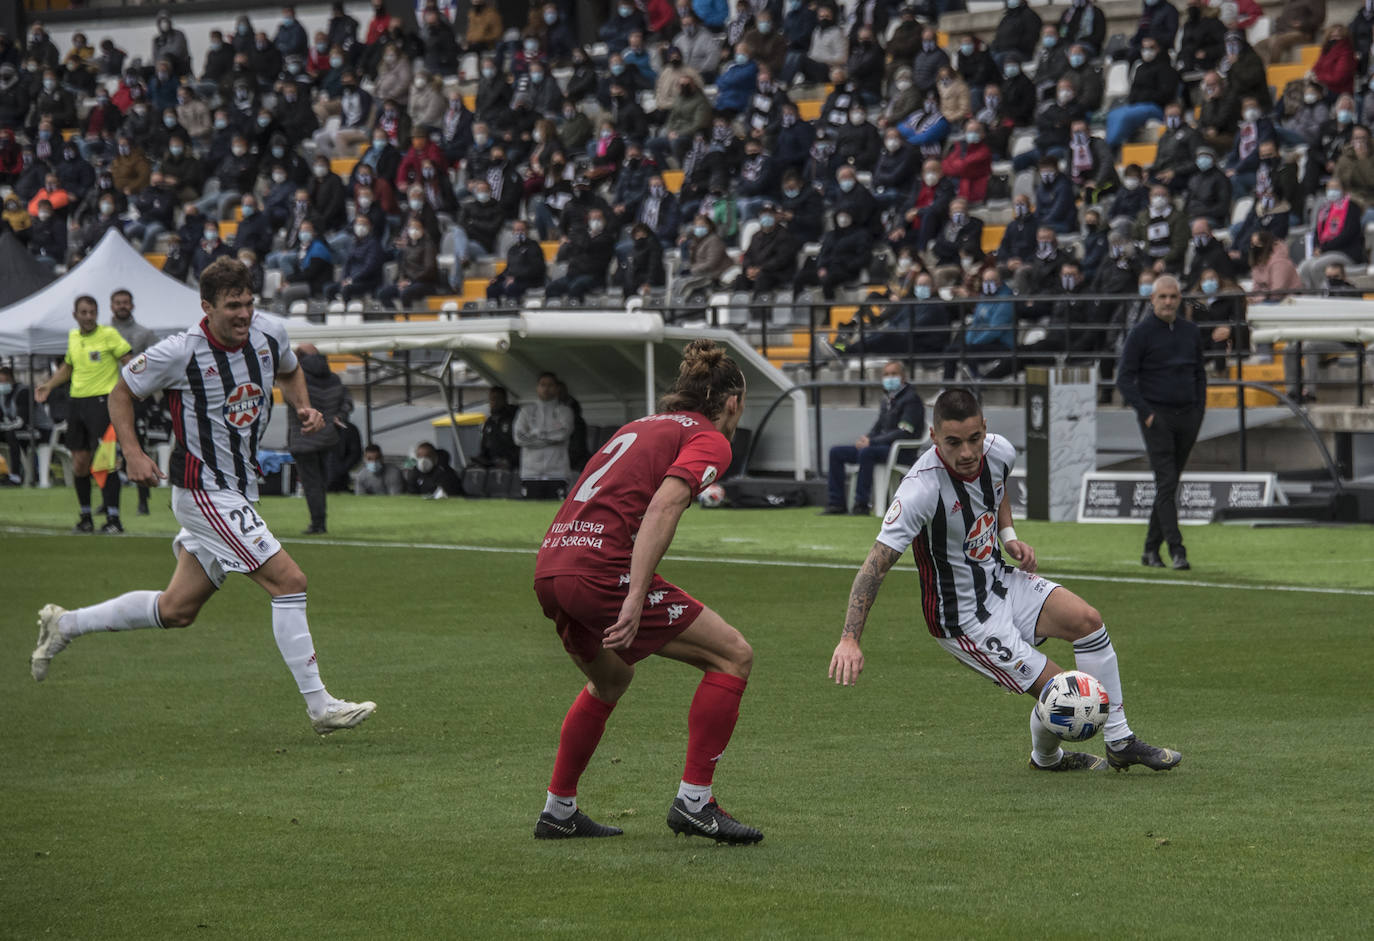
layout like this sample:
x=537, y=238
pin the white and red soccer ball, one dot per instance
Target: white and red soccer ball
x=1073, y=705
x=712, y=496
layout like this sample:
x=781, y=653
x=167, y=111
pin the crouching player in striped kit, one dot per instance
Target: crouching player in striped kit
x=218, y=379
x=951, y=508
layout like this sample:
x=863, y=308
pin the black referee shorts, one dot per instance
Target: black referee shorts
x=87, y=420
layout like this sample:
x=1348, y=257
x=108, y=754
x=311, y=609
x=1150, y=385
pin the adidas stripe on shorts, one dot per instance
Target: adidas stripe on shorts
x=223, y=530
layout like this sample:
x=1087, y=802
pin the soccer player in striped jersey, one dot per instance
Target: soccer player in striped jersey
x=218, y=378
x=952, y=508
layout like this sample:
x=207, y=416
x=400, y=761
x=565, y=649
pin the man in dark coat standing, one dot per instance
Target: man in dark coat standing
x=311, y=452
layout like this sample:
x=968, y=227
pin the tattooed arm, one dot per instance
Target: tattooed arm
x=848, y=660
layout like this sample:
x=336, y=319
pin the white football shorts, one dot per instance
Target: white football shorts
x=223, y=530
x=1002, y=648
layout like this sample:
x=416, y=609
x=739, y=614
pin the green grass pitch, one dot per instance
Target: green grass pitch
x=168, y=785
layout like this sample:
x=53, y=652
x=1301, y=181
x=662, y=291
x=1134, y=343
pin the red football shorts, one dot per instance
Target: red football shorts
x=582, y=607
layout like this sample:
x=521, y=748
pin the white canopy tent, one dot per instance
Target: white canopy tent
x=39, y=324
x=615, y=362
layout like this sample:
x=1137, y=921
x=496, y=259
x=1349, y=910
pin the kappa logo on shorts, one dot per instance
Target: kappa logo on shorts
x=676, y=611
x=656, y=597
x=139, y=364
x=243, y=405
x=981, y=539
x=625, y=578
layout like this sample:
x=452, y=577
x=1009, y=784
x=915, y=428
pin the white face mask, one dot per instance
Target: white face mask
x=416, y=205
x=364, y=203
x=361, y=231
x=931, y=179
x=415, y=234
x=424, y=464
x=594, y=226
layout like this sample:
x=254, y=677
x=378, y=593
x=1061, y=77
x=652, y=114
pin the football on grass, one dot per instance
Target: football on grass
x=713, y=496
x=1074, y=705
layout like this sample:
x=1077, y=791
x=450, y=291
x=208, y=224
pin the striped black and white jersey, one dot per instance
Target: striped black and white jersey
x=951, y=525
x=220, y=400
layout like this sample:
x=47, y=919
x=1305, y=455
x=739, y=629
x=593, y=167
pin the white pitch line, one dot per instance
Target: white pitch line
x=1162, y=582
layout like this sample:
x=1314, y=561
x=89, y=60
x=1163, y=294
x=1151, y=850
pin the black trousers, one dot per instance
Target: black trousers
x=311, y=466
x=1168, y=441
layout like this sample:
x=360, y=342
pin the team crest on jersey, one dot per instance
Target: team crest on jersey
x=139, y=364
x=243, y=405
x=981, y=539
x=265, y=357
x=893, y=512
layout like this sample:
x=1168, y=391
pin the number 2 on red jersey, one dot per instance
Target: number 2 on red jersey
x=616, y=448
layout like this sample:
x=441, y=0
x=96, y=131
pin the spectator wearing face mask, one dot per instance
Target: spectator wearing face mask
x=130, y=168
x=1355, y=170
x=1204, y=40
x=588, y=259
x=1091, y=168
x=417, y=275
x=828, y=47
x=48, y=236
x=704, y=258
x=1220, y=310
x=1093, y=249
x=1039, y=274
x=970, y=162
x=376, y=477
x=1017, y=31
x=958, y=241
x=1176, y=155
x=700, y=48
x=901, y=415
x=480, y=219
x=857, y=142
x=1018, y=239
x=845, y=252
x=897, y=171
x=1338, y=236
x=1163, y=229
x=430, y=474
x=1051, y=61
x=1132, y=198
x=525, y=267
x=1054, y=198
x=990, y=333
x=1158, y=22
x=234, y=176
x=328, y=198
x=363, y=267
x=1083, y=24
x=542, y=431
x=770, y=261
x=1209, y=191
x=156, y=206
x=1208, y=254
x=210, y=247
x=1154, y=84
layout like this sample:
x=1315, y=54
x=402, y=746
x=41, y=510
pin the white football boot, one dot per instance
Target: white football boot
x=50, y=641
x=342, y=715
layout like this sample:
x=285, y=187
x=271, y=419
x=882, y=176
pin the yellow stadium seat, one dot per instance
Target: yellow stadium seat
x=156, y=259
x=415, y=317
x=809, y=110
x=1280, y=75
x=673, y=180
x=238, y=212
x=551, y=248
x=228, y=229
x=1308, y=55
x=1142, y=154
x=343, y=166
x=470, y=102
x=437, y=301
x=69, y=133
x=992, y=236
x=475, y=289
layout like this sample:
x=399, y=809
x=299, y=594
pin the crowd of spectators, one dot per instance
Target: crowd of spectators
x=892, y=182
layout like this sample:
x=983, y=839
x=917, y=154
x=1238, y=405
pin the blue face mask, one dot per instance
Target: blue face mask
x=374, y=467
x=1147, y=289
x=1076, y=60
x=1210, y=286
x=891, y=384
x=767, y=221
x=923, y=292
x=699, y=231
x=248, y=211
x=5, y=388
x=846, y=185
x=1204, y=162
x=741, y=59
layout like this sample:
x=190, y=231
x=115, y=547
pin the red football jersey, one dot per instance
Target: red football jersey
x=594, y=531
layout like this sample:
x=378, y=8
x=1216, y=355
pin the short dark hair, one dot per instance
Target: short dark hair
x=955, y=405
x=223, y=276
x=118, y=291
x=373, y=449
x=7, y=371
x=85, y=297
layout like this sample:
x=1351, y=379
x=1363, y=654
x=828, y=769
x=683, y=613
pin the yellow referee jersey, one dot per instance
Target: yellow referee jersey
x=94, y=358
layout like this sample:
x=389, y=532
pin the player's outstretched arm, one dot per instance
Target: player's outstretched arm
x=141, y=469
x=848, y=660
x=1018, y=550
x=652, y=541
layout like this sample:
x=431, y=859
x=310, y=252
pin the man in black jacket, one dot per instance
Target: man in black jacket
x=770, y=261
x=310, y=452
x=588, y=257
x=1161, y=375
x=1209, y=191
x=525, y=267
x=902, y=415
x=845, y=252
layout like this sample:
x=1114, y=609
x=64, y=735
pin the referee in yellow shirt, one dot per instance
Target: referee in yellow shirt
x=94, y=355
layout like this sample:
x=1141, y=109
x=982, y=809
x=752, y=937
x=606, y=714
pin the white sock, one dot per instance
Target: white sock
x=560, y=807
x=695, y=796
x=1045, y=750
x=128, y=612
x=292, y=632
x=1096, y=656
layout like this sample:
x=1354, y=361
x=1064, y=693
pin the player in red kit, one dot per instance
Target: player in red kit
x=595, y=580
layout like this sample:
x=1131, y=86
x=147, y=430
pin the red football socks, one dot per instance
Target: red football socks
x=582, y=728
x=710, y=722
